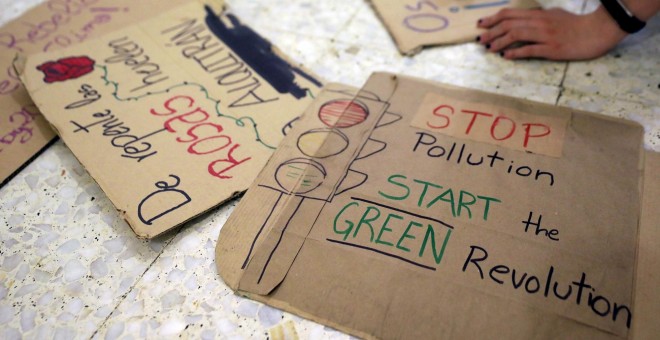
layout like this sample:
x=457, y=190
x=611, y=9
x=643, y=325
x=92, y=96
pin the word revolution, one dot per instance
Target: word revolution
x=531, y=284
x=427, y=143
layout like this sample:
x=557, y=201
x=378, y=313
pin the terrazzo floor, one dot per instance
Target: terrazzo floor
x=71, y=268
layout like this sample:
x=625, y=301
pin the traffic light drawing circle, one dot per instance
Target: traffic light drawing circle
x=300, y=175
x=322, y=143
x=343, y=113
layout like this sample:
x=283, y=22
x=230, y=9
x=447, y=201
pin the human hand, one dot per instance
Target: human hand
x=551, y=34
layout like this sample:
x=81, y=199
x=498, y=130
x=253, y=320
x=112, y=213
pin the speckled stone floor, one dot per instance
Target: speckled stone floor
x=71, y=268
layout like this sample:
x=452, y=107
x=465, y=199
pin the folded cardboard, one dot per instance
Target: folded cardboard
x=49, y=27
x=171, y=116
x=414, y=24
x=410, y=209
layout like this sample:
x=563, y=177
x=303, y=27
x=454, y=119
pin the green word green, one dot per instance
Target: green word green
x=391, y=230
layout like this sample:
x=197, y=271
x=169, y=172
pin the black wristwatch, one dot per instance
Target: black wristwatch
x=626, y=19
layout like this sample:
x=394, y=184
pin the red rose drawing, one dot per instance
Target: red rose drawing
x=66, y=68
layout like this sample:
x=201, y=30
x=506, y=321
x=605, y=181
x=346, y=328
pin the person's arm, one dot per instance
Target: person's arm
x=557, y=34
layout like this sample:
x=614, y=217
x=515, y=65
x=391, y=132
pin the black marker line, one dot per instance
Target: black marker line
x=460, y=154
x=380, y=125
x=382, y=253
x=403, y=211
x=369, y=139
x=451, y=152
x=260, y=230
x=278, y=241
x=366, y=177
x=291, y=194
x=312, y=198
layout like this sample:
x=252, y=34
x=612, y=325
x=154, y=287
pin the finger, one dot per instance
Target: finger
x=492, y=34
x=507, y=13
x=505, y=28
x=530, y=51
x=518, y=35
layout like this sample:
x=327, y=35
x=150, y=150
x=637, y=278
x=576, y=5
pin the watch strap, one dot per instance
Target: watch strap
x=626, y=20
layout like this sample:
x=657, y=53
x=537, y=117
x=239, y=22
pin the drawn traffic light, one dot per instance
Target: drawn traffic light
x=320, y=166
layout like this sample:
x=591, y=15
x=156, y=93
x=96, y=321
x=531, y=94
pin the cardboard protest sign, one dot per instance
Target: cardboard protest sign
x=171, y=116
x=414, y=24
x=410, y=209
x=49, y=27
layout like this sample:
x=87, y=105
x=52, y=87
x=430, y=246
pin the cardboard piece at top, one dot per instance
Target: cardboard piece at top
x=414, y=24
x=48, y=27
x=174, y=115
x=380, y=217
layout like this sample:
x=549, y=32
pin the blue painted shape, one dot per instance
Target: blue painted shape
x=258, y=53
x=487, y=4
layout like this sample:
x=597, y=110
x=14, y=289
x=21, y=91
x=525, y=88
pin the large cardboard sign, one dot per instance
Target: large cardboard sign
x=414, y=24
x=51, y=26
x=171, y=116
x=410, y=209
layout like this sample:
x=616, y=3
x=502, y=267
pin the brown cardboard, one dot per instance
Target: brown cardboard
x=368, y=234
x=172, y=116
x=49, y=27
x=414, y=24
x=647, y=302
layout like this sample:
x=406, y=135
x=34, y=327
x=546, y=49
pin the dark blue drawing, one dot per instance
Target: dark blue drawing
x=258, y=53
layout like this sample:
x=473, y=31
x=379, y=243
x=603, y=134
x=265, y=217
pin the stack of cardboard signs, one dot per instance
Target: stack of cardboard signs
x=171, y=116
x=415, y=24
x=404, y=209
x=408, y=209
